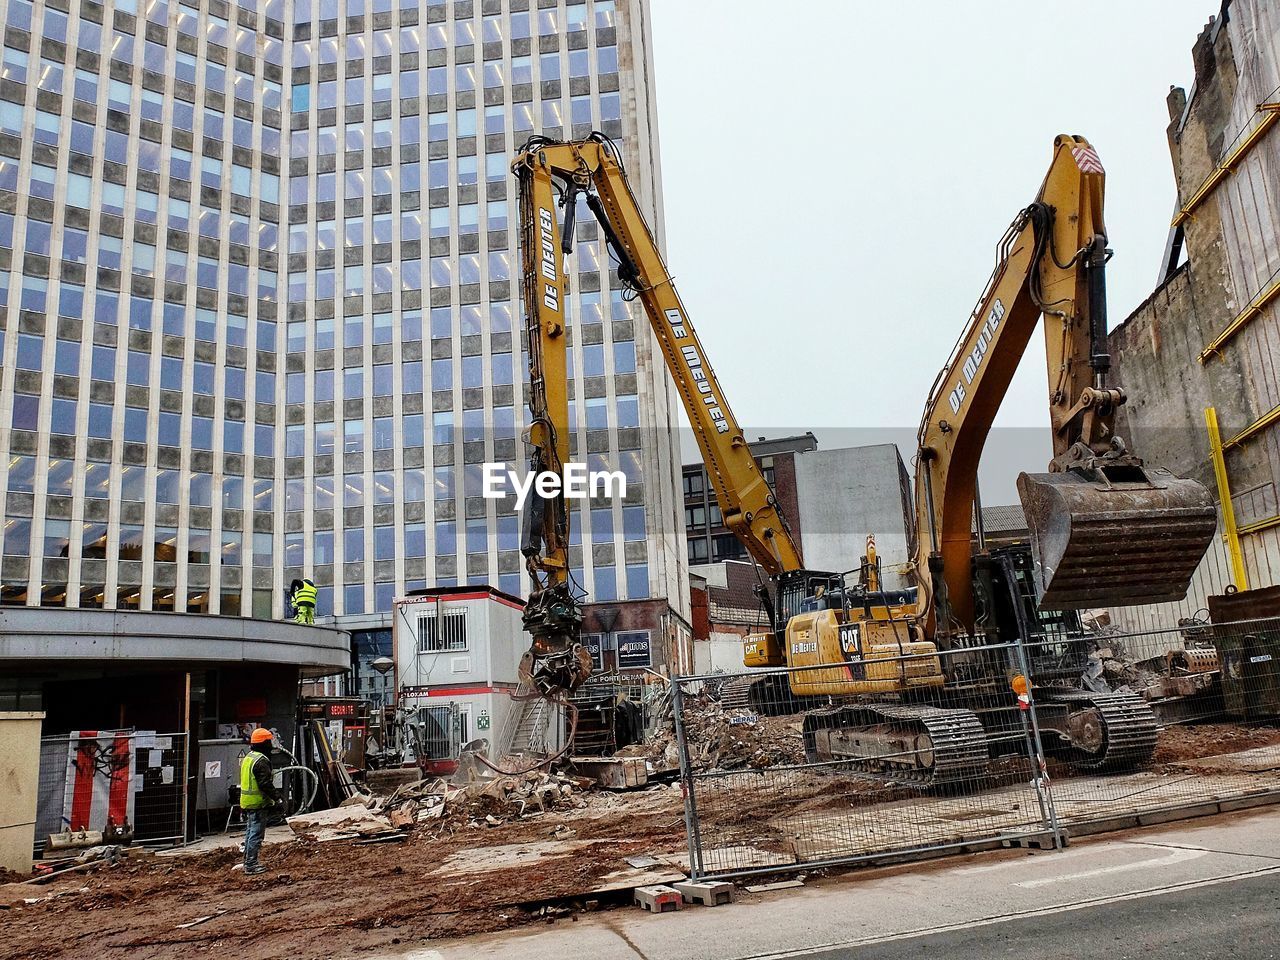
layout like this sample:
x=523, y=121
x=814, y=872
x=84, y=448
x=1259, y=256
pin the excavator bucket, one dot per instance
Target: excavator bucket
x=1119, y=536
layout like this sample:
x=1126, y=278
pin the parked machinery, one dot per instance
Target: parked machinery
x=1105, y=530
x=922, y=680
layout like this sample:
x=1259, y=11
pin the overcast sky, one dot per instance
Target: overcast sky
x=836, y=176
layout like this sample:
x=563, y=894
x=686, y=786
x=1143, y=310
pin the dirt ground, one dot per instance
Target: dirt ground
x=1183, y=743
x=449, y=878
x=340, y=898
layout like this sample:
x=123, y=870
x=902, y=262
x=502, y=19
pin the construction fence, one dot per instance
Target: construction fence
x=129, y=785
x=1121, y=728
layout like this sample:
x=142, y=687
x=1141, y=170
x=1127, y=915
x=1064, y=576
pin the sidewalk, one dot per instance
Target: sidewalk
x=871, y=906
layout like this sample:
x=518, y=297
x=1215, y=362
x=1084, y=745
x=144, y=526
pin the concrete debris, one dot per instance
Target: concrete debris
x=492, y=801
x=1176, y=673
x=731, y=739
x=340, y=823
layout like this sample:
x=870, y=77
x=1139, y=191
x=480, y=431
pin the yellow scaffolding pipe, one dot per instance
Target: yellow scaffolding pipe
x=1245, y=316
x=1229, y=531
x=1264, y=421
x=1270, y=114
x=1259, y=525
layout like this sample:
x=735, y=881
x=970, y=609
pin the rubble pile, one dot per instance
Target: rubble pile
x=484, y=802
x=1173, y=673
x=730, y=739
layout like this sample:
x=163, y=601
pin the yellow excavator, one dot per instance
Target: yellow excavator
x=552, y=176
x=917, y=671
x=932, y=689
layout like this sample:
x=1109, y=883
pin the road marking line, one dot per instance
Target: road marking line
x=1057, y=856
x=814, y=949
x=1187, y=846
x=1174, y=856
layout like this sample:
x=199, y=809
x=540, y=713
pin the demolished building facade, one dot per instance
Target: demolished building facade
x=1208, y=336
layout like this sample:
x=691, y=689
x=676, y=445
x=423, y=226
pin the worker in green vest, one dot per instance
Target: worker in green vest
x=257, y=795
x=303, y=598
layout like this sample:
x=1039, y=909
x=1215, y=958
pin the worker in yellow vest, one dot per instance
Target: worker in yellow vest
x=303, y=598
x=257, y=795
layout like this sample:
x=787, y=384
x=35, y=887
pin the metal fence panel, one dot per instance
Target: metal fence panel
x=774, y=781
x=95, y=780
x=1214, y=690
x=1130, y=725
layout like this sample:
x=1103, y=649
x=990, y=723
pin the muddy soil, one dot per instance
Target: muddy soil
x=340, y=898
x=1182, y=743
x=449, y=878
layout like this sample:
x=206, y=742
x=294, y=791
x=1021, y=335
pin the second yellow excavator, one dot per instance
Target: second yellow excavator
x=924, y=688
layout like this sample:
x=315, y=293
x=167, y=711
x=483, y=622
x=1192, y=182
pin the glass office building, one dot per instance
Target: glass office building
x=261, y=314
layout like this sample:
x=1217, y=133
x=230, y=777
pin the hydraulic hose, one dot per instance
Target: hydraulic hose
x=315, y=785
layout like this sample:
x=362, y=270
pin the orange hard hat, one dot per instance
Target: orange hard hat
x=261, y=735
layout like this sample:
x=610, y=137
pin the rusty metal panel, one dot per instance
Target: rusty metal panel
x=1115, y=543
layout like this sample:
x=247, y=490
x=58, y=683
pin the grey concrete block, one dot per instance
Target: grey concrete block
x=709, y=893
x=1105, y=825
x=1178, y=813
x=1246, y=803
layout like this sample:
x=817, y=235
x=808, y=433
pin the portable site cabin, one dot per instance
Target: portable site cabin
x=457, y=653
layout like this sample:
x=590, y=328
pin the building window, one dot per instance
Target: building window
x=637, y=580
x=442, y=631
x=727, y=547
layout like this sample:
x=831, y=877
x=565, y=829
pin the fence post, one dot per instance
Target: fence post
x=188, y=781
x=692, y=835
x=1040, y=771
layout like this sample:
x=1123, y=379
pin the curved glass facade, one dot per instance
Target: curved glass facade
x=261, y=319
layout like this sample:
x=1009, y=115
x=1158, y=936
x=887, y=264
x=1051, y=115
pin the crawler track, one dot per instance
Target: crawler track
x=1112, y=731
x=923, y=745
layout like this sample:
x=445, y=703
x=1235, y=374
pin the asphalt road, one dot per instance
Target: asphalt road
x=1238, y=919
x=1203, y=888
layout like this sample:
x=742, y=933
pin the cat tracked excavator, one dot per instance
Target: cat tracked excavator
x=1105, y=529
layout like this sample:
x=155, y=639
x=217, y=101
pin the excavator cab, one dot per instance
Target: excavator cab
x=1115, y=534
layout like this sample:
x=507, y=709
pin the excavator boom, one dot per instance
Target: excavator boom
x=591, y=169
x=1105, y=529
